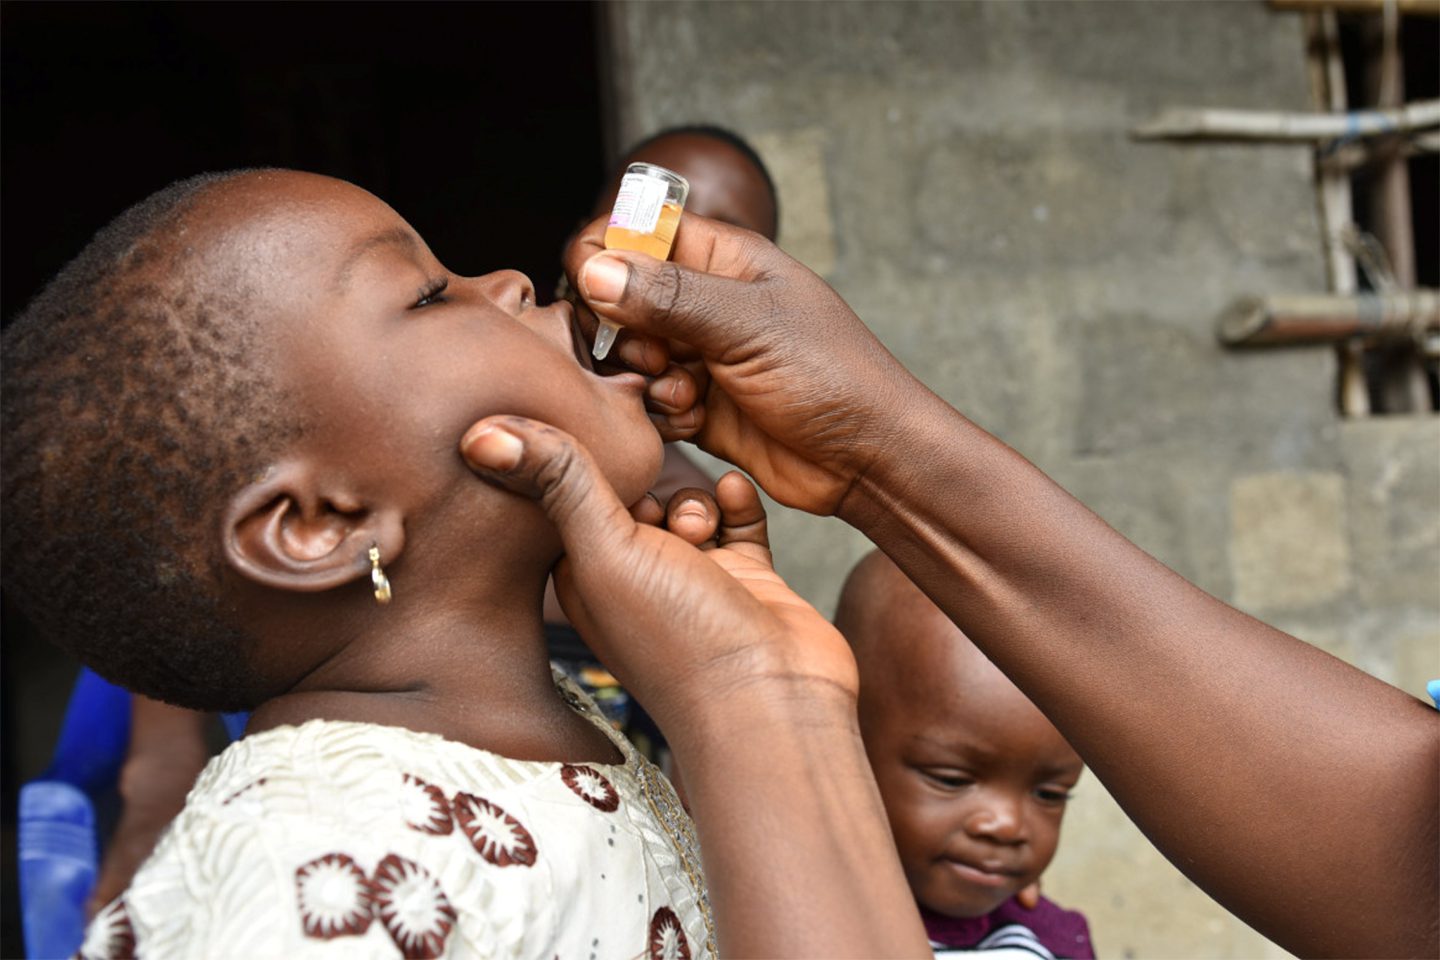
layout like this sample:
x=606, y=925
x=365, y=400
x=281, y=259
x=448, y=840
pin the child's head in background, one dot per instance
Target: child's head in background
x=973, y=776
x=239, y=387
x=728, y=180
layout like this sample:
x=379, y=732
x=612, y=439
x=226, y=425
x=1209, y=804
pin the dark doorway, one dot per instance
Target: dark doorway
x=480, y=123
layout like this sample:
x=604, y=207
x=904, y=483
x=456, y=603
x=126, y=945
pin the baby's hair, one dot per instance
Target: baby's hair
x=725, y=136
x=133, y=407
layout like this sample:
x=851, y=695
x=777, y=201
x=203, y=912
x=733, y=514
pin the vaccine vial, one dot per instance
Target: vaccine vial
x=645, y=216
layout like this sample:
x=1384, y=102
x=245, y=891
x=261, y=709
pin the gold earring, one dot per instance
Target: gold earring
x=377, y=576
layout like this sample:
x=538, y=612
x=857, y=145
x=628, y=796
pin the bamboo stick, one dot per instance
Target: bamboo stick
x=1401, y=379
x=1426, y=8
x=1354, y=388
x=1356, y=155
x=1332, y=198
x=1278, y=126
x=1332, y=189
x=1390, y=205
x=1399, y=315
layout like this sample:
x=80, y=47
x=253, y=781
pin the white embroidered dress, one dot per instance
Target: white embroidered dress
x=355, y=840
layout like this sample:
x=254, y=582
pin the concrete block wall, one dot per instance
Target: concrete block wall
x=963, y=175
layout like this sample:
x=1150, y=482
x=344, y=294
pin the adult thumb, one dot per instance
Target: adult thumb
x=547, y=465
x=717, y=314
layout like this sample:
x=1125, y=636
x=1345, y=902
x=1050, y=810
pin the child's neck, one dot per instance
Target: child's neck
x=473, y=669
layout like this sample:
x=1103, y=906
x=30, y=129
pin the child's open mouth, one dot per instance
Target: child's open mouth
x=577, y=342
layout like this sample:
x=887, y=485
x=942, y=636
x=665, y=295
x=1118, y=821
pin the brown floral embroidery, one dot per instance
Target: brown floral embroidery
x=415, y=911
x=591, y=787
x=667, y=938
x=110, y=935
x=496, y=836
x=334, y=897
x=426, y=808
x=238, y=793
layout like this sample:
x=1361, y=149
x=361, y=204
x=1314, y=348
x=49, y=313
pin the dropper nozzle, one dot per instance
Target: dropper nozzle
x=604, y=338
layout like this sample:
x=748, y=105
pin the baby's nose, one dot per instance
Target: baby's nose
x=999, y=819
x=510, y=290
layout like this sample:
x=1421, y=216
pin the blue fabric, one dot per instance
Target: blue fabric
x=58, y=864
x=94, y=736
x=58, y=840
x=235, y=724
x=1433, y=688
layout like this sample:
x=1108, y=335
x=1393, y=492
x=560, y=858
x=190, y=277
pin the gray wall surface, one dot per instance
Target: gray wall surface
x=962, y=173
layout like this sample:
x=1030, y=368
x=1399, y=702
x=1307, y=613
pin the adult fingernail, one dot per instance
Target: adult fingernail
x=493, y=447
x=663, y=390
x=692, y=508
x=603, y=279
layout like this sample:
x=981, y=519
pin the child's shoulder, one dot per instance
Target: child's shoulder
x=358, y=759
x=359, y=775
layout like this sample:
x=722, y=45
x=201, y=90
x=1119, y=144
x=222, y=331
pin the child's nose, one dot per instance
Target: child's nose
x=1000, y=819
x=510, y=290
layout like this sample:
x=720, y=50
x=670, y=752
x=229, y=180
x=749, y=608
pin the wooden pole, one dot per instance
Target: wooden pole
x=1332, y=198
x=1280, y=126
x=1424, y=8
x=1358, y=154
x=1401, y=374
x=1403, y=316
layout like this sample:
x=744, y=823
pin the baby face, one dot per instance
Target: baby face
x=975, y=782
x=391, y=357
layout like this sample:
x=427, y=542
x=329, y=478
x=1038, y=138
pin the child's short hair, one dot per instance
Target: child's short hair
x=133, y=406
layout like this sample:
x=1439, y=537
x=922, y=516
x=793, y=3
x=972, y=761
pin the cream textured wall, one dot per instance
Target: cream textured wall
x=962, y=174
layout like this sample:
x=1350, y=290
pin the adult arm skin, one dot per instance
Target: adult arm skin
x=754, y=690
x=167, y=752
x=1300, y=792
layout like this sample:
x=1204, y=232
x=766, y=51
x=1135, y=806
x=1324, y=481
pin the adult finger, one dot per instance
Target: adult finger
x=693, y=516
x=674, y=391
x=633, y=351
x=743, y=525
x=545, y=464
x=648, y=510
x=679, y=426
x=1029, y=897
x=709, y=302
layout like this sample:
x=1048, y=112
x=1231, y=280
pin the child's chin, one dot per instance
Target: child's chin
x=636, y=475
x=967, y=908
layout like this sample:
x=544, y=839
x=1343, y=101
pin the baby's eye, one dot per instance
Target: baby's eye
x=949, y=779
x=1052, y=796
x=432, y=293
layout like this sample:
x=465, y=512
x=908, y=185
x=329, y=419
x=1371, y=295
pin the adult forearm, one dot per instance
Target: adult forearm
x=1298, y=791
x=785, y=772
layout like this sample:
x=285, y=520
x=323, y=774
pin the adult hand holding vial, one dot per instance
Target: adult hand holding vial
x=644, y=218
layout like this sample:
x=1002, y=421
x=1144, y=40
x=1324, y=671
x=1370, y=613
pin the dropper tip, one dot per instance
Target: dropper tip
x=604, y=339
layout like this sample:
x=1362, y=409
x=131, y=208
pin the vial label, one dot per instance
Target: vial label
x=638, y=204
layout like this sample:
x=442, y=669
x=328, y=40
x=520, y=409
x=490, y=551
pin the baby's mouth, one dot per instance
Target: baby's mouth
x=578, y=344
x=983, y=873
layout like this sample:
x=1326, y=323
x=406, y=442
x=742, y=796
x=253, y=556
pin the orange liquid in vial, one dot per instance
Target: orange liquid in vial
x=656, y=243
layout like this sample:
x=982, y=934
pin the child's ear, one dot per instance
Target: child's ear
x=290, y=531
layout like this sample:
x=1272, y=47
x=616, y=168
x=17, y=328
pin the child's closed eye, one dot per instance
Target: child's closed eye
x=948, y=779
x=432, y=293
x=1053, y=796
